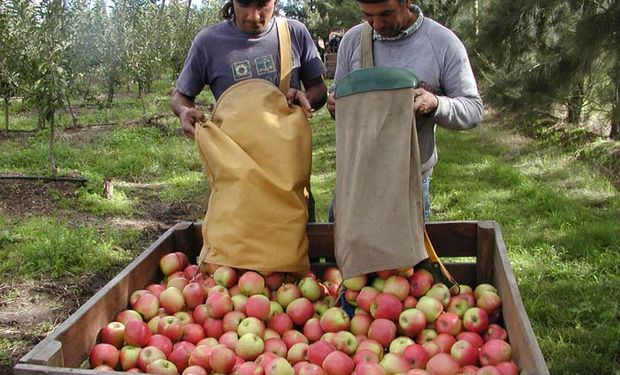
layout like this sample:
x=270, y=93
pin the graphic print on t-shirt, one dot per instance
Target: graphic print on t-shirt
x=265, y=65
x=241, y=70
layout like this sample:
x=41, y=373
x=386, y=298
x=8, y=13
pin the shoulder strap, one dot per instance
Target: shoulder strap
x=286, y=58
x=366, y=57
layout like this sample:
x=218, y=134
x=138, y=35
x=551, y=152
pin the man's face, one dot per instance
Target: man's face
x=253, y=18
x=389, y=17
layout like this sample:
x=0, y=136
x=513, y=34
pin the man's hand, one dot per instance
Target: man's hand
x=295, y=96
x=331, y=104
x=188, y=117
x=424, y=102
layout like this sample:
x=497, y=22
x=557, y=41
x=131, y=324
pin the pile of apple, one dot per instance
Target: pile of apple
x=221, y=320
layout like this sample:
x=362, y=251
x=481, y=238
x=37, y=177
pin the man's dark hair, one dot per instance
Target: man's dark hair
x=228, y=10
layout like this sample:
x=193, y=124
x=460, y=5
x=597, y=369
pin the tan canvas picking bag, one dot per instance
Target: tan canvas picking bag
x=257, y=155
x=379, y=221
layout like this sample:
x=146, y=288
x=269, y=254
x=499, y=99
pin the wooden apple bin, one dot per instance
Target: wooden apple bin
x=65, y=350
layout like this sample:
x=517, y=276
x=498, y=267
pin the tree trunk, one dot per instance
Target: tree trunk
x=6, y=114
x=189, y=7
x=615, y=116
x=141, y=95
x=74, y=119
x=111, y=83
x=51, y=153
x=575, y=105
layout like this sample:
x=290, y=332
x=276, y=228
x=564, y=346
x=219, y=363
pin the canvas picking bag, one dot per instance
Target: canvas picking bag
x=257, y=155
x=379, y=221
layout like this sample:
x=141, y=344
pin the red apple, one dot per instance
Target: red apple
x=173, y=262
x=239, y=302
x=213, y=327
x=251, y=325
x=310, y=369
x=172, y=300
x=398, y=345
x=287, y=293
x=128, y=357
x=249, y=346
x=420, y=282
x=411, y=322
x=229, y=339
x=365, y=356
x=279, y=366
x=445, y=341
x=103, y=354
x=276, y=346
x=335, y=319
x=508, y=368
x=432, y=348
x=292, y=337
x=194, y=295
x=218, y=304
x=177, y=280
x=369, y=368
x=127, y=315
x=494, y=352
x=333, y=275
x=200, y=356
x=137, y=333
x=280, y=323
x=366, y=297
x=345, y=342
x=171, y=327
x=440, y=292
x=113, y=333
x=312, y=329
x=196, y=370
x=163, y=367
x=442, y=364
x=460, y=303
x=394, y=364
x=449, y=323
x=309, y=288
x=431, y=308
x=360, y=323
x=476, y=320
x=397, y=286
x=372, y=345
x=225, y=276
x=338, y=363
x=409, y=302
x=232, y=319
x=464, y=353
x=488, y=370
x=474, y=338
x=161, y=342
x=495, y=331
x=355, y=283
x=180, y=357
x=149, y=355
x=274, y=280
x=317, y=351
x=382, y=330
x=193, y=332
x=416, y=356
x=300, y=310
x=258, y=306
x=251, y=283
x=483, y=288
x=489, y=302
x=222, y=359
x=386, y=306
x=297, y=353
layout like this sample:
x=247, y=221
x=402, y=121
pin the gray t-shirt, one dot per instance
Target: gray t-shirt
x=222, y=55
x=435, y=55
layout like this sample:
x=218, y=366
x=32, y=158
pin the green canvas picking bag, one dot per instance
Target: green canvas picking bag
x=257, y=155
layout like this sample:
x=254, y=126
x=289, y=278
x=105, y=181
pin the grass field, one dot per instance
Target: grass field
x=559, y=217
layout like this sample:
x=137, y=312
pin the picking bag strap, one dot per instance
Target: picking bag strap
x=366, y=47
x=286, y=57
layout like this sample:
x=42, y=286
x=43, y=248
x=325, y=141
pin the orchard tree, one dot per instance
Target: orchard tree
x=541, y=54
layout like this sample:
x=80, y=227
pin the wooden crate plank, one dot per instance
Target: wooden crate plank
x=525, y=349
x=485, y=253
x=452, y=238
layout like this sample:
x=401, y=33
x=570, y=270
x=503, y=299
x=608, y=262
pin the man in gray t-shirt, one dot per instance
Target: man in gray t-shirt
x=404, y=38
x=245, y=45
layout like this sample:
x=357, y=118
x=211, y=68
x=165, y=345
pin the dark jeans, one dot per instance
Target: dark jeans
x=426, y=185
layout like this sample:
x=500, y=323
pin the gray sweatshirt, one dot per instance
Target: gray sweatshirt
x=436, y=56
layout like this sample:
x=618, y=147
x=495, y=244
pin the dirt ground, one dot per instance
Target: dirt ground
x=28, y=312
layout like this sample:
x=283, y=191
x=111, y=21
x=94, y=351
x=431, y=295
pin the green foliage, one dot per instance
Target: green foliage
x=53, y=248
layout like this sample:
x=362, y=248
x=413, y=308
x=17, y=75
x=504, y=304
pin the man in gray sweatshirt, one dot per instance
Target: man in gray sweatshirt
x=403, y=38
